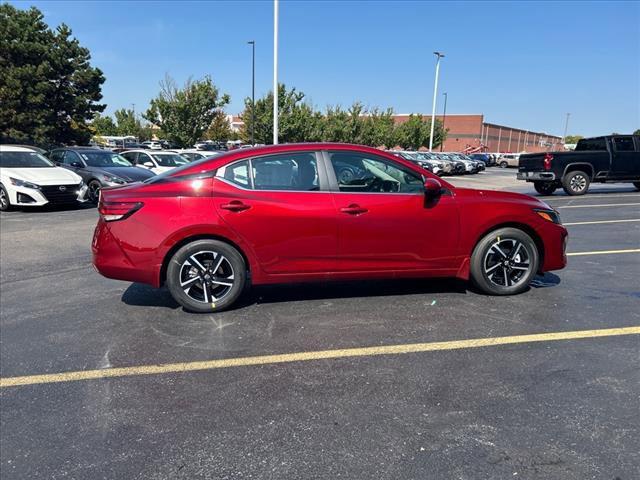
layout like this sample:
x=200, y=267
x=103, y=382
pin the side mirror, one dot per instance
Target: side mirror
x=432, y=188
x=148, y=164
x=76, y=164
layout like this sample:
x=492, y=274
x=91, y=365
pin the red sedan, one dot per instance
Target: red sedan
x=308, y=212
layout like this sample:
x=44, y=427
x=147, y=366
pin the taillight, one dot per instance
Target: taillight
x=112, y=211
x=547, y=161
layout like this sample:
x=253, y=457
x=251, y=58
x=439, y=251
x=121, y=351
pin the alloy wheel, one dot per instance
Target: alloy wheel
x=507, y=262
x=206, y=276
x=94, y=191
x=4, y=201
x=578, y=183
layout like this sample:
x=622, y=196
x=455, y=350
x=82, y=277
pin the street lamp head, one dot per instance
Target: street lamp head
x=439, y=54
x=252, y=42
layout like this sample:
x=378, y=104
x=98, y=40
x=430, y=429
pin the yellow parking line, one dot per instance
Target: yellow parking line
x=314, y=355
x=571, y=224
x=600, y=205
x=603, y=252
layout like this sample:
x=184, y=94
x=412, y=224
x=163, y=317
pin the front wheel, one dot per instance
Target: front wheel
x=206, y=276
x=93, y=191
x=503, y=164
x=5, y=203
x=504, y=262
x=576, y=183
x=544, y=188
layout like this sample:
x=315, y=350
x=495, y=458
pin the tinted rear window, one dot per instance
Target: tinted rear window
x=591, y=144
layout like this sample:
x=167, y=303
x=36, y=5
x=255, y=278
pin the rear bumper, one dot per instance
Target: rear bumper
x=537, y=176
x=111, y=260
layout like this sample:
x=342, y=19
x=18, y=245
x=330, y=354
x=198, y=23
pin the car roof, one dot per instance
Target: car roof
x=15, y=148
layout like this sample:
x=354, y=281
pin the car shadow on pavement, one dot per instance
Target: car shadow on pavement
x=545, y=281
x=146, y=296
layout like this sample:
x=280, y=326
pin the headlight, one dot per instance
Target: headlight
x=113, y=179
x=549, y=215
x=21, y=183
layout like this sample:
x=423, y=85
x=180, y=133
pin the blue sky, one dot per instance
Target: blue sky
x=523, y=64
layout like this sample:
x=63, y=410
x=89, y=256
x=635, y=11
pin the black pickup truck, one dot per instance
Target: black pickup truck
x=613, y=158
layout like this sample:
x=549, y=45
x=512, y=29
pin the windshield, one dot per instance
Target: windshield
x=104, y=159
x=169, y=159
x=23, y=160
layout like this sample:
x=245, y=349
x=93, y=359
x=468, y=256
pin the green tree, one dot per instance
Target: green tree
x=572, y=138
x=48, y=89
x=637, y=132
x=184, y=114
x=297, y=121
x=219, y=130
x=104, y=125
x=416, y=132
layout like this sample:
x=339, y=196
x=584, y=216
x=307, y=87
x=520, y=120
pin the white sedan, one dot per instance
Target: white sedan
x=156, y=161
x=27, y=179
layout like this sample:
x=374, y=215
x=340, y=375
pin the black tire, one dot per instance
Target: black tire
x=545, y=188
x=489, y=272
x=504, y=164
x=93, y=191
x=184, y=267
x=637, y=185
x=576, y=183
x=5, y=202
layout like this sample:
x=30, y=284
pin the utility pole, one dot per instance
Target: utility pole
x=275, y=72
x=435, y=93
x=566, y=127
x=253, y=91
x=444, y=119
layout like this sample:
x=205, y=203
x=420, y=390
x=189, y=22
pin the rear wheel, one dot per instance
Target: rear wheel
x=504, y=262
x=5, y=203
x=576, y=183
x=206, y=276
x=544, y=188
x=503, y=164
x=637, y=185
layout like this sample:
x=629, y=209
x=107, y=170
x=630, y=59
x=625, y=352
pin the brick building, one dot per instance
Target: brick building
x=472, y=132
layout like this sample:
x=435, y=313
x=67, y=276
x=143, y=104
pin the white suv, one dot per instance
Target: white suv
x=27, y=179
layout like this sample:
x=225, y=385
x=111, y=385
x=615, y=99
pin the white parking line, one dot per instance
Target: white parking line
x=587, y=197
x=571, y=224
x=600, y=205
x=603, y=252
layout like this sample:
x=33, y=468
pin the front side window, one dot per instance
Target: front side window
x=624, y=144
x=356, y=172
x=56, y=156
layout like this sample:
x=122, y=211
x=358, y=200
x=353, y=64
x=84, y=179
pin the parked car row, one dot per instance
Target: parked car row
x=443, y=163
x=34, y=177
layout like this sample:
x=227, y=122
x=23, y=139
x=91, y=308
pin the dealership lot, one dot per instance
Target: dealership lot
x=548, y=409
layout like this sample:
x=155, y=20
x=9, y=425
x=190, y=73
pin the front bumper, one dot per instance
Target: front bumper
x=536, y=176
x=46, y=195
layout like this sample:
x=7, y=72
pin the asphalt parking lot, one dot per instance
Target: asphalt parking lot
x=552, y=408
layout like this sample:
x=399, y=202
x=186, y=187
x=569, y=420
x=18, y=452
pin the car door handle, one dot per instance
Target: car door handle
x=235, y=206
x=354, y=209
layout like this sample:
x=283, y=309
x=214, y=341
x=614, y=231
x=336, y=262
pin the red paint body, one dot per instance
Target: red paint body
x=288, y=236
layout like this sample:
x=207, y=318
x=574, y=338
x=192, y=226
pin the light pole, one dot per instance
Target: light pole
x=444, y=118
x=275, y=72
x=566, y=127
x=435, y=93
x=253, y=91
